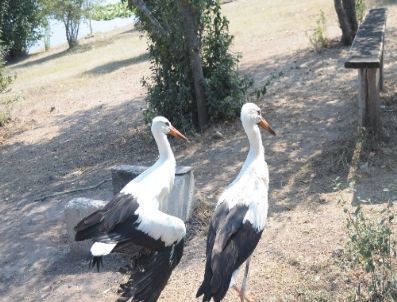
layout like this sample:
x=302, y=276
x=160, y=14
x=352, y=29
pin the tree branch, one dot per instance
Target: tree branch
x=139, y=4
x=42, y=198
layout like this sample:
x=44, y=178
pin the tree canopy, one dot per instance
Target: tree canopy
x=194, y=78
x=20, y=25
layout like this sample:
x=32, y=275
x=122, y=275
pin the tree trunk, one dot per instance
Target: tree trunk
x=90, y=25
x=351, y=15
x=72, y=30
x=195, y=62
x=343, y=23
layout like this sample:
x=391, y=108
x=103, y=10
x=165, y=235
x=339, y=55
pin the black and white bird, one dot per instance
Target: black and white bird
x=240, y=216
x=132, y=218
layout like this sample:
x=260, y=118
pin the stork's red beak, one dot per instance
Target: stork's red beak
x=265, y=125
x=176, y=133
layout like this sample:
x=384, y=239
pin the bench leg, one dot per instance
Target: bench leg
x=372, y=112
x=368, y=99
x=381, y=74
x=362, y=96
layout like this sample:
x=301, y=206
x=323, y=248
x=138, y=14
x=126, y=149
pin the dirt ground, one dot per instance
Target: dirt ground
x=76, y=114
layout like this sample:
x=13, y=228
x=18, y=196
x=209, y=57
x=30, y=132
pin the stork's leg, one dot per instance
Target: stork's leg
x=242, y=297
x=241, y=292
x=245, y=279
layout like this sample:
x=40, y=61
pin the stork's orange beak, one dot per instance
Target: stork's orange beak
x=265, y=125
x=174, y=132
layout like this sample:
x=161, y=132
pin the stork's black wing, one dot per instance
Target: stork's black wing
x=229, y=243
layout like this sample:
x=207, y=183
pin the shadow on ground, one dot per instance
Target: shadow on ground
x=113, y=66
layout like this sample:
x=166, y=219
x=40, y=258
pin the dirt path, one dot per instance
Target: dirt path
x=80, y=113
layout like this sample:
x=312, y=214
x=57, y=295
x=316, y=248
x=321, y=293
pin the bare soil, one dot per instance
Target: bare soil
x=77, y=113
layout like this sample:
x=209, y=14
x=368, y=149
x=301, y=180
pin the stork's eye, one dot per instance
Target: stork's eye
x=259, y=112
x=167, y=124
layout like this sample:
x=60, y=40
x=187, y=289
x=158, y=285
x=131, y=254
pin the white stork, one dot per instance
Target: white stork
x=239, y=217
x=132, y=218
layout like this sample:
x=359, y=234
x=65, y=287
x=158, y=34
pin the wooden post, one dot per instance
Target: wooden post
x=372, y=101
x=362, y=96
x=366, y=54
x=381, y=73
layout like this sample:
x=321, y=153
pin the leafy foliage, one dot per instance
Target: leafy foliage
x=371, y=248
x=5, y=81
x=225, y=88
x=170, y=87
x=318, y=38
x=111, y=11
x=361, y=7
x=20, y=24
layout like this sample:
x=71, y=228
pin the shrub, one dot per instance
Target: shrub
x=318, y=38
x=371, y=250
x=5, y=79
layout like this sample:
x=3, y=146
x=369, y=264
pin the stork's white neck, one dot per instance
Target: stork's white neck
x=256, y=151
x=164, y=146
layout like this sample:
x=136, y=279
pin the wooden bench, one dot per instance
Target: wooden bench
x=366, y=55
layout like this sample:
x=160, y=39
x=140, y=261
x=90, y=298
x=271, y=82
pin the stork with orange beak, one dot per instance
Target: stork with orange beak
x=133, y=218
x=240, y=216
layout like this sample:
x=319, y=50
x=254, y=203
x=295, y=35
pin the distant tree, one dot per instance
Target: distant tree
x=70, y=12
x=347, y=16
x=20, y=23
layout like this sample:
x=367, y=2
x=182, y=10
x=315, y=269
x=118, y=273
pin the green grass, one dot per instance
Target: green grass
x=264, y=19
x=61, y=63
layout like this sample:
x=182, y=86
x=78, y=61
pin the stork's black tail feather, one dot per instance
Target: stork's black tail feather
x=96, y=261
x=147, y=284
x=205, y=288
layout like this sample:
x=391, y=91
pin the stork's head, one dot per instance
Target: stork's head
x=161, y=125
x=251, y=115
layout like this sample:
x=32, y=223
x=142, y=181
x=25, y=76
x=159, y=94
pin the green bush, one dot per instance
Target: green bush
x=5, y=79
x=371, y=248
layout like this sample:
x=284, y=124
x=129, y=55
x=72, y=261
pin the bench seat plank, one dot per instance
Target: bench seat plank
x=367, y=48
